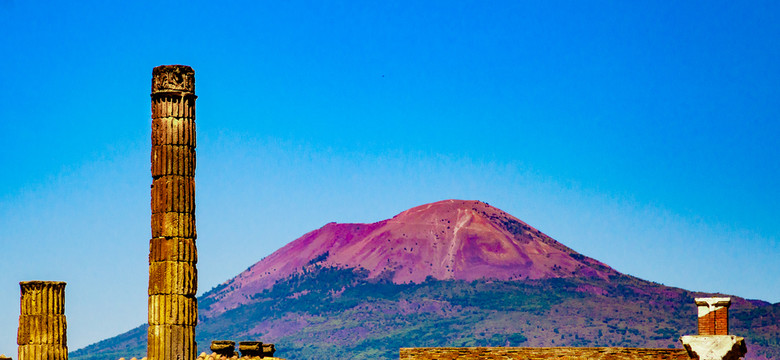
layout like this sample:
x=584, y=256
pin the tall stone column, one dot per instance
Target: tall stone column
x=173, y=278
x=42, y=328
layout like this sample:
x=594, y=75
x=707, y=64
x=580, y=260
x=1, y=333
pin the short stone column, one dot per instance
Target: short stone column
x=173, y=277
x=224, y=348
x=268, y=350
x=42, y=327
x=250, y=348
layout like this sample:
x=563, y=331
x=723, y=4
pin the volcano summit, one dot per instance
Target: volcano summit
x=445, y=240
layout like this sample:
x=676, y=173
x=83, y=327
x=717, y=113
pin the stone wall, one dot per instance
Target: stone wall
x=526, y=353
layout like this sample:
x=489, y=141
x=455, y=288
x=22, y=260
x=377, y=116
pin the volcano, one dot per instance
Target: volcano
x=451, y=273
x=445, y=240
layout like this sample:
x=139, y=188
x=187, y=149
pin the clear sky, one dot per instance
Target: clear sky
x=643, y=135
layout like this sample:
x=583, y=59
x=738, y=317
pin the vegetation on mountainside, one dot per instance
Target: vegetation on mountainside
x=326, y=313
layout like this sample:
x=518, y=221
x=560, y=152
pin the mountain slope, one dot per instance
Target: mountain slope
x=451, y=273
x=446, y=240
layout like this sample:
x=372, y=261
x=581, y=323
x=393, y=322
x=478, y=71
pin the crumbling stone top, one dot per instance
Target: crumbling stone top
x=41, y=283
x=173, y=78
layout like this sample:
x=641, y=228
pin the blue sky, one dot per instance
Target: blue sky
x=643, y=135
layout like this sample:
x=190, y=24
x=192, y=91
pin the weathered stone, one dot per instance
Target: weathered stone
x=268, y=350
x=43, y=352
x=173, y=78
x=714, y=347
x=173, y=160
x=42, y=327
x=173, y=249
x=173, y=277
x=173, y=194
x=250, y=348
x=171, y=342
x=42, y=298
x=225, y=348
x=170, y=105
x=173, y=310
x=173, y=225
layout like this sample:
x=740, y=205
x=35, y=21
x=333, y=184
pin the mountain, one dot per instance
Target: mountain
x=450, y=273
x=446, y=240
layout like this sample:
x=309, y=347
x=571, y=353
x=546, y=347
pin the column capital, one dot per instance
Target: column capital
x=173, y=79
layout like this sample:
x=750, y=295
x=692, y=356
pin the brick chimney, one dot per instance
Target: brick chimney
x=714, y=341
x=713, y=315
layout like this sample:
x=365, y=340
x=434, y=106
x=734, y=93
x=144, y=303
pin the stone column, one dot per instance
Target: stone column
x=173, y=278
x=42, y=328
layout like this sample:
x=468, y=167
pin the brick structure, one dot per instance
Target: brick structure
x=173, y=277
x=42, y=327
x=713, y=315
x=714, y=341
x=541, y=353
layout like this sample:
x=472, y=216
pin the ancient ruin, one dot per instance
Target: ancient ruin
x=714, y=341
x=172, y=304
x=42, y=327
x=173, y=278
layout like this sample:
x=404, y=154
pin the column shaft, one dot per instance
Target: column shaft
x=42, y=327
x=173, y=276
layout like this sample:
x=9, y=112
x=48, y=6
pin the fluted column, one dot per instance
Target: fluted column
x=42, y=327
x=173, y=277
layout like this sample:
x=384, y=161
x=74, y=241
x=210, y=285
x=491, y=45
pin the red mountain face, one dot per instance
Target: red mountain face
x=450, y=239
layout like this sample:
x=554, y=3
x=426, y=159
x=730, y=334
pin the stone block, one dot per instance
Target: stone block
x=43, y=352
x=250, y=348
x=171, y=342
x=173, y=160
x=168, y=130
x=268, y=350
x=173, y=194
x=714, y=347
x=42, y=329
x=42, y=297
x=173, y=277
x=173, y=78
x=173, y=249
x=225, y=348
x=172, y=105
x=173, y=310
x=173, y=225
